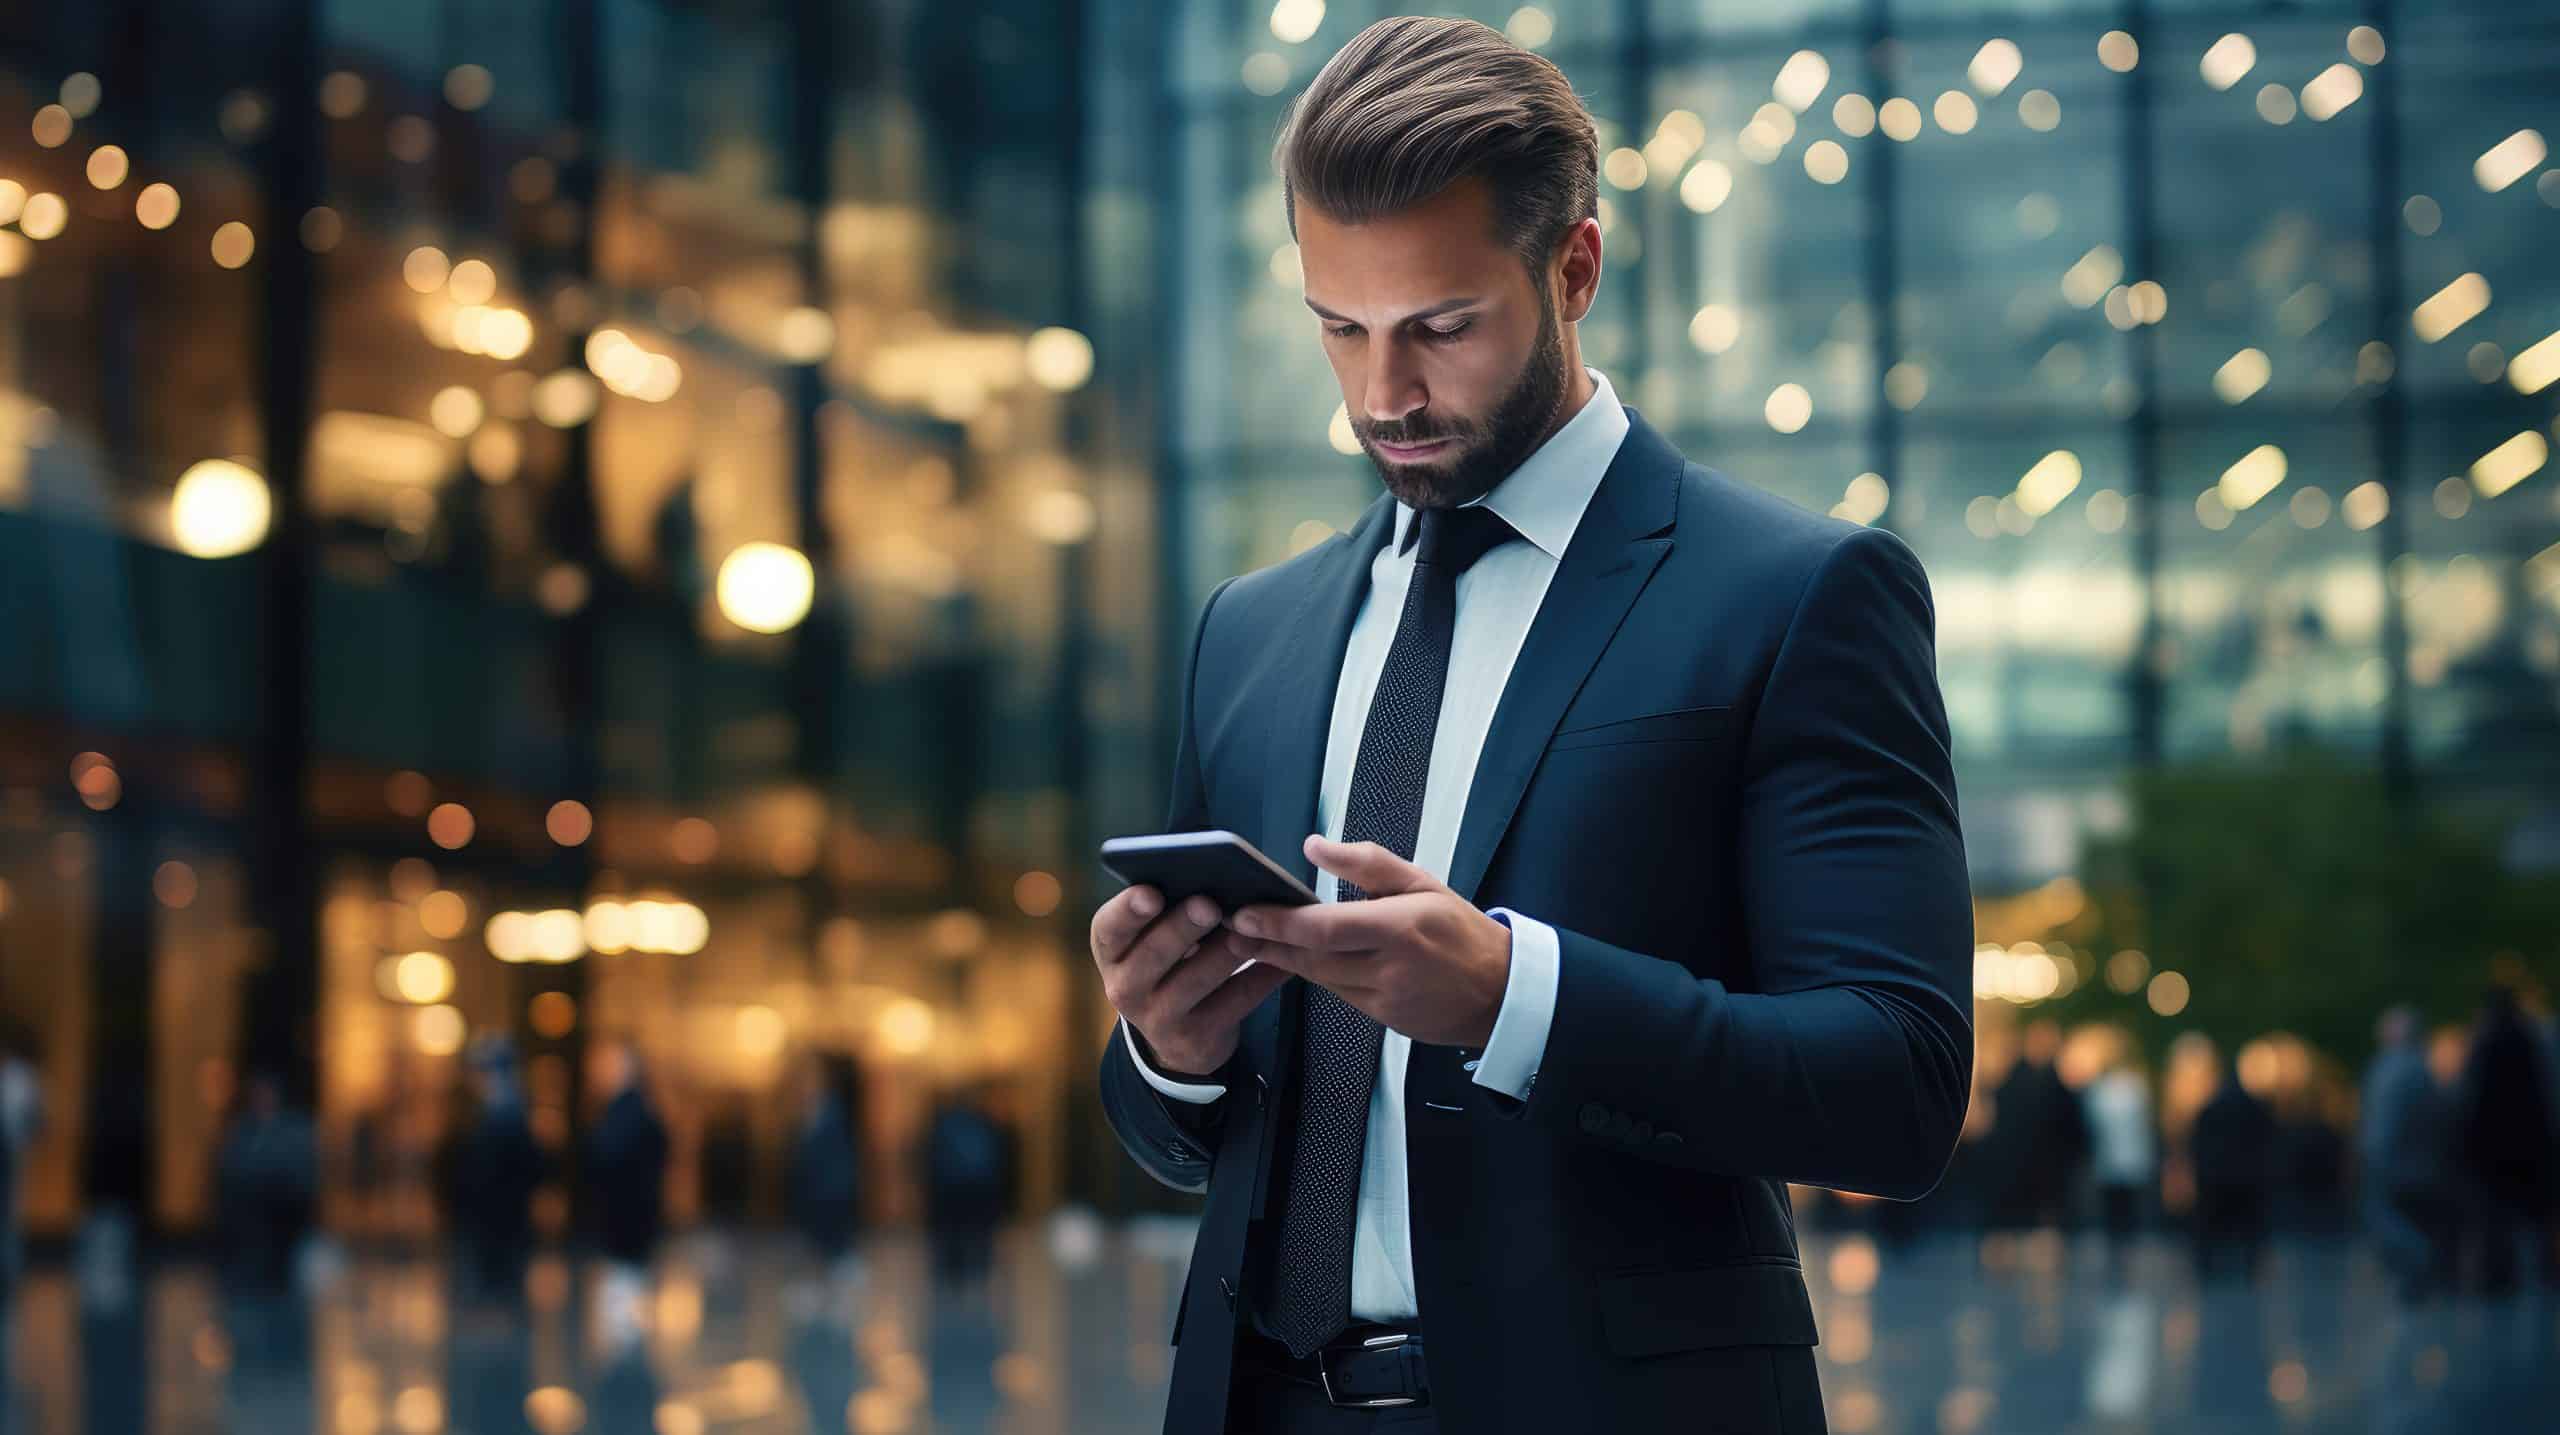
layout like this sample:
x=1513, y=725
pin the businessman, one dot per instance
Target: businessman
x=1626, y=789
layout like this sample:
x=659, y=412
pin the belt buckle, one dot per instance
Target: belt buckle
x=1324, y=1374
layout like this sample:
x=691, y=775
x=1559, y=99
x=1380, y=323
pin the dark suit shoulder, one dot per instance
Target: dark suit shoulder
x=1749, y=535
x=1265, y=597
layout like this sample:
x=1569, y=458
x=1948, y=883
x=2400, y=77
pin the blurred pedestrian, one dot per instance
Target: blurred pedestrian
x=626, y=1180
x=494, y=1167
x=2041, y=1134
x=21, y=1121
x=2124, y=1154
x=2230, y=1147
x=266, y=1179
x=825, y=1182
x=2503, y=1115
x=2404, y=1140
x=969, y=1180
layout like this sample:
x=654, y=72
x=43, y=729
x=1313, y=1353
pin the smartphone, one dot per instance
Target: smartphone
x=1221, y=866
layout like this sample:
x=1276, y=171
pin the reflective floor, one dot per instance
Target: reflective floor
x=1955, y=1337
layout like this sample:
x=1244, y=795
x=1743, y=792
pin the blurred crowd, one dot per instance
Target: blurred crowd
x=2444, y=1154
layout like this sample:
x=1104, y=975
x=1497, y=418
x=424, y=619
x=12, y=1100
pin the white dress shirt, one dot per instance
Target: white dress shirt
x=1543, y=500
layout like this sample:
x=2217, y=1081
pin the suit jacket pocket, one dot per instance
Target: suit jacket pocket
x=1677, y=725
x=1753, y=1303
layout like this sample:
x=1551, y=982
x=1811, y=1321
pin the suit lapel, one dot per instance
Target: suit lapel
x=1612, y=556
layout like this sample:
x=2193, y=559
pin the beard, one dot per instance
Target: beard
x=1480, y=454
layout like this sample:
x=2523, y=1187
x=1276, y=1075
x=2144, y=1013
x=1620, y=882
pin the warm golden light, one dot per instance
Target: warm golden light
x=1993, y=67
x=426, y=269
x=2038, y=110
x=1706, y=186
x=1037, y=893
x=472, y=282
x=1854, y=115
x=2510, y=463
x=2229, y=58
x=569, y=823
x=2119, y=51
x=694, y=841
x=442, y=914
x=233, y=244
x=1899, y=118
x=1058, y=359
x=906, y=1027
x=468, y=87
x=2242, y=375
x=1826, y=161
x=552, y=1015
x=2451, y=307
x=2533, y=370
x=2509, y=160
x=220, y=509
x=43, y=216
x=2365, y=505
x=421, y=978
x=761, y=1032
x=2048, y=483
x=2254, y=477
x=1789, y=408
x=1624, y=167
x=455, y=411
x=155, y=206
x=174, y=883
x=1955, y=112
x=1294, y=22
x=766, y=587
x=438, y=1031
x=565, y=398
x=2168, y=993
x=2332, y=90
x=1715, y=328
x=450, y=826
x=806, y=334
x=2365, y=43
x=1801, y=81
x=108, y=166
x=51, y=127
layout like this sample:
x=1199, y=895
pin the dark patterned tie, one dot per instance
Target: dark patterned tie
x=1338, y=1044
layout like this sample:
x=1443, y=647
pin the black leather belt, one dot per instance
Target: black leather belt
x=1365, y=1367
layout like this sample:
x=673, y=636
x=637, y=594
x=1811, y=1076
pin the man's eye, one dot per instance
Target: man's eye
x=1444, y=334
x=1342, y=331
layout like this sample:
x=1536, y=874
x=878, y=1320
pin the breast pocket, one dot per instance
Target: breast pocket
x=1676, y=725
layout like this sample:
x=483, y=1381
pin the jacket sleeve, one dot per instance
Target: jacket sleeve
x=1849, y=1066
x=1171, y=1139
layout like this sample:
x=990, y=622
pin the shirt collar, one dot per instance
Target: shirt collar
x=1544, y=497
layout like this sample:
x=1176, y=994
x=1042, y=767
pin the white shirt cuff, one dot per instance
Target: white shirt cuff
x=1195, y=1092
x=1519, y=1041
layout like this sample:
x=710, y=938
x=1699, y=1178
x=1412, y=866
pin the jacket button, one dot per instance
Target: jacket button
x=1667, y=1138
x=1228, y=1291
x=1595, y=1117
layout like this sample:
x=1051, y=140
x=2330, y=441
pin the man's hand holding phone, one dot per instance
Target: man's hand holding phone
x=1173, y=974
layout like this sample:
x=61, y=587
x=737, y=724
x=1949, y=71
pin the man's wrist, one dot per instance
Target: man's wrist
x=1157, y=1064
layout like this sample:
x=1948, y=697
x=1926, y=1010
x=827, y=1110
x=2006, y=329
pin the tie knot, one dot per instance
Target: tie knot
x=1454, y=538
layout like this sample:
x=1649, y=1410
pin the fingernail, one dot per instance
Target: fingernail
x=1250, y=926
x=1144, y=903
x=1204, y=911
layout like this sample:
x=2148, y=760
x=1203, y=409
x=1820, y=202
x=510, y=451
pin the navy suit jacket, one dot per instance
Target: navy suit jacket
x=1720, y=770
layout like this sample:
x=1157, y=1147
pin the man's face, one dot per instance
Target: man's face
x=1440, y=339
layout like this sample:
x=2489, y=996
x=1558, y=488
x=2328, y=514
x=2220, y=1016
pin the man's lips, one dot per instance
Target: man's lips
x=1419, y=450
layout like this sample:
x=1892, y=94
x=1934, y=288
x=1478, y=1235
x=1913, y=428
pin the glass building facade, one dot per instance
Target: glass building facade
x=411, y=415
x=2204, y=352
